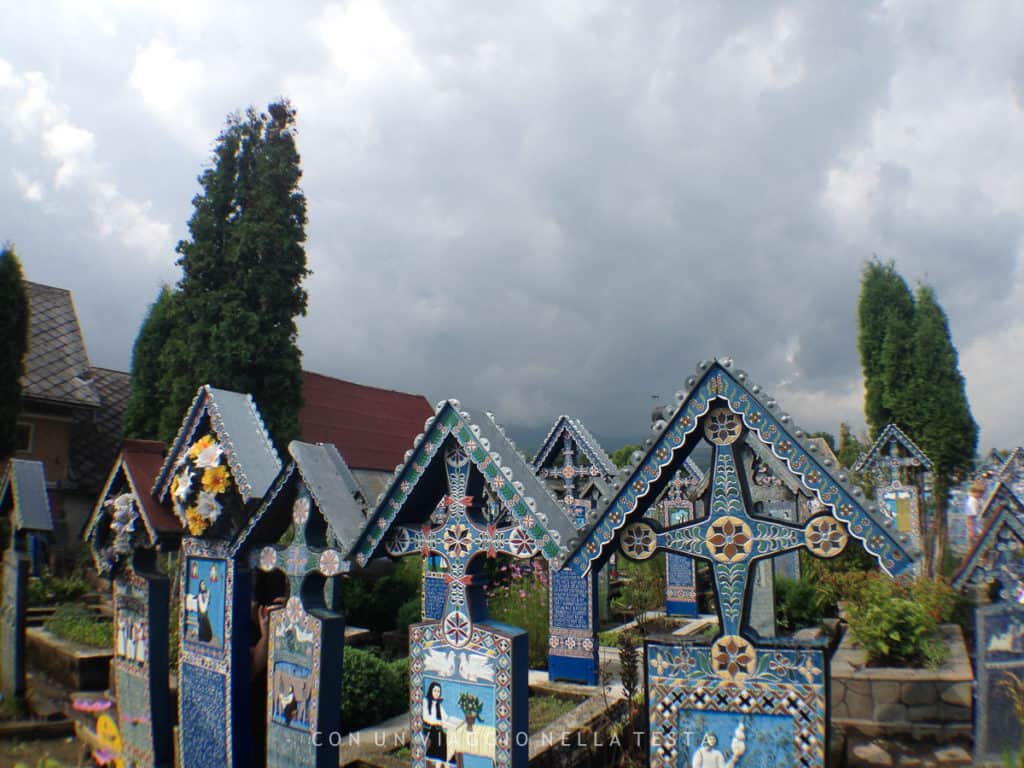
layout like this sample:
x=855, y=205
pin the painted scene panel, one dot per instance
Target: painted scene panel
x=204, y=601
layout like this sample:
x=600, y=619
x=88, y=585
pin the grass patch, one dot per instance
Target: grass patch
x=53, y=590
x=545, y=709
x=77, y=624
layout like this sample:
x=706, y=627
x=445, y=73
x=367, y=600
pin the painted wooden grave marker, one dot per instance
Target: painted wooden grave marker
x=465, y=494
x=318, y=497
x=738, y=695
x=214, y=477
x=575, y=468
x=680, y=571
x=23, y=500
x=127, y=528
x=902, y=475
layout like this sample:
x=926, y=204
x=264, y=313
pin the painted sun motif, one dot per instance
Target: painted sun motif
x=639, y=541
x=458, y=540
x=722, y=426
x=300, y=510
x=729, y=539
x=825, y=536
x=733, y=657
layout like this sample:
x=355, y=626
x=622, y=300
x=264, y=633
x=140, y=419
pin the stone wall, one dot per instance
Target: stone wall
x=888, y=701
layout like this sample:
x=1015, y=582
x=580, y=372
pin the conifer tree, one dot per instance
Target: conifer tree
x=885, y=315
x=243, y=266
x=148, y=396
x=938, y=414
x=14, y=319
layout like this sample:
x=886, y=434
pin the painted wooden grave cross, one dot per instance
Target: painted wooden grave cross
x=730, y=539
x=465, y=493
x=576, y=468
x=318, y=499
x=23, y=501
x=996, y=563
x=902, y=475
x=127, y=529
x=680, y=570
x=214, y=477
x=453, y=535
x=739, y=698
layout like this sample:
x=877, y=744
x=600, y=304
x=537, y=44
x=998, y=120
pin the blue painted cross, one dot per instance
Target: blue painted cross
x=300, y=558
x=568, y=473
x=729, y=537
x=457, y=538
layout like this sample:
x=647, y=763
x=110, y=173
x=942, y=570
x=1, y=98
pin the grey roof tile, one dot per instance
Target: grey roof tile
x=56, y=364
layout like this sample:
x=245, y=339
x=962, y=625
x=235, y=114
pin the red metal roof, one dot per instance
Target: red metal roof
x=372, y=428
x=142, y=460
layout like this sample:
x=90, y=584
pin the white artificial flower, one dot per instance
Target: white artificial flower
x=209, y=457
x=208, y=507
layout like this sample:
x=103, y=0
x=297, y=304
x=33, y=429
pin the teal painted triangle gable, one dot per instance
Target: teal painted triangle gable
x=505, y=472
x=675, y=437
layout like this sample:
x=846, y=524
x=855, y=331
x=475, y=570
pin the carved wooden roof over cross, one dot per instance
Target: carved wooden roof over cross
x=238, y=426
x=996, y=553
x=421, y=483
x=879, y=456
x=134, y=472
x=23, y=495
x=720, y=389
x=584, y=441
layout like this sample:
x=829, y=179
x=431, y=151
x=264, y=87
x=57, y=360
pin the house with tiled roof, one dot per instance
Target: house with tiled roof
x=71, y=412
x=371, y=427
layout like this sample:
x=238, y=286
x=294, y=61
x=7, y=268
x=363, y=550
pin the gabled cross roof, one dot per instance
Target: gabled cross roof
x=1004, y=516
x=23, y=486
x=136, y=467
x=1014, y=465
x=876, y=454
x=674, y=437
x=332, y=487
x=582, y=437
x=511, y=480
x=238, y=426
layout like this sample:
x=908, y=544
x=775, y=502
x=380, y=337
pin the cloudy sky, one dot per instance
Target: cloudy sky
x=557, y=208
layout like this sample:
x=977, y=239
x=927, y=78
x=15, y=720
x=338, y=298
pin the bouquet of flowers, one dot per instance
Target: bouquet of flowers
x=199, y=485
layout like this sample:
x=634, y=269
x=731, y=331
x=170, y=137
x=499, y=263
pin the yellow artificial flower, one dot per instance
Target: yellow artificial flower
x=197, y=524
x=174, y=487
x=215, y=480
x=200, y=445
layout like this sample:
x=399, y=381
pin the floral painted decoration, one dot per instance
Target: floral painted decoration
x=199, y=485
x=123, y=517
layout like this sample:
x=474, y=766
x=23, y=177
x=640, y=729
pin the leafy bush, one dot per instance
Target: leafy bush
x=896, y=621
x=801, y=603
x=643, y=589
x=519, y=596
x=371, y=604
x=372, y=689
x=409, y=613
x=54, y=590
x=77, y=624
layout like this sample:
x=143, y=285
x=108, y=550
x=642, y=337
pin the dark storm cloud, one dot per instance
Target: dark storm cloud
x=553, y=211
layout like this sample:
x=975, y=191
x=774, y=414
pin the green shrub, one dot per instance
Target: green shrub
x=801, y=603
x=409, y=613
x=896, y=621
x=372, y=689
x=77, y=624
x=643, y=589
x=54, y=590
x=371, y=604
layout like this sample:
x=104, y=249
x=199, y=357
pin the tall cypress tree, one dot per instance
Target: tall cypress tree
x=148, y=395
x=938, y=414
x=242, y=272
x=14, y=317
x=885, y=315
